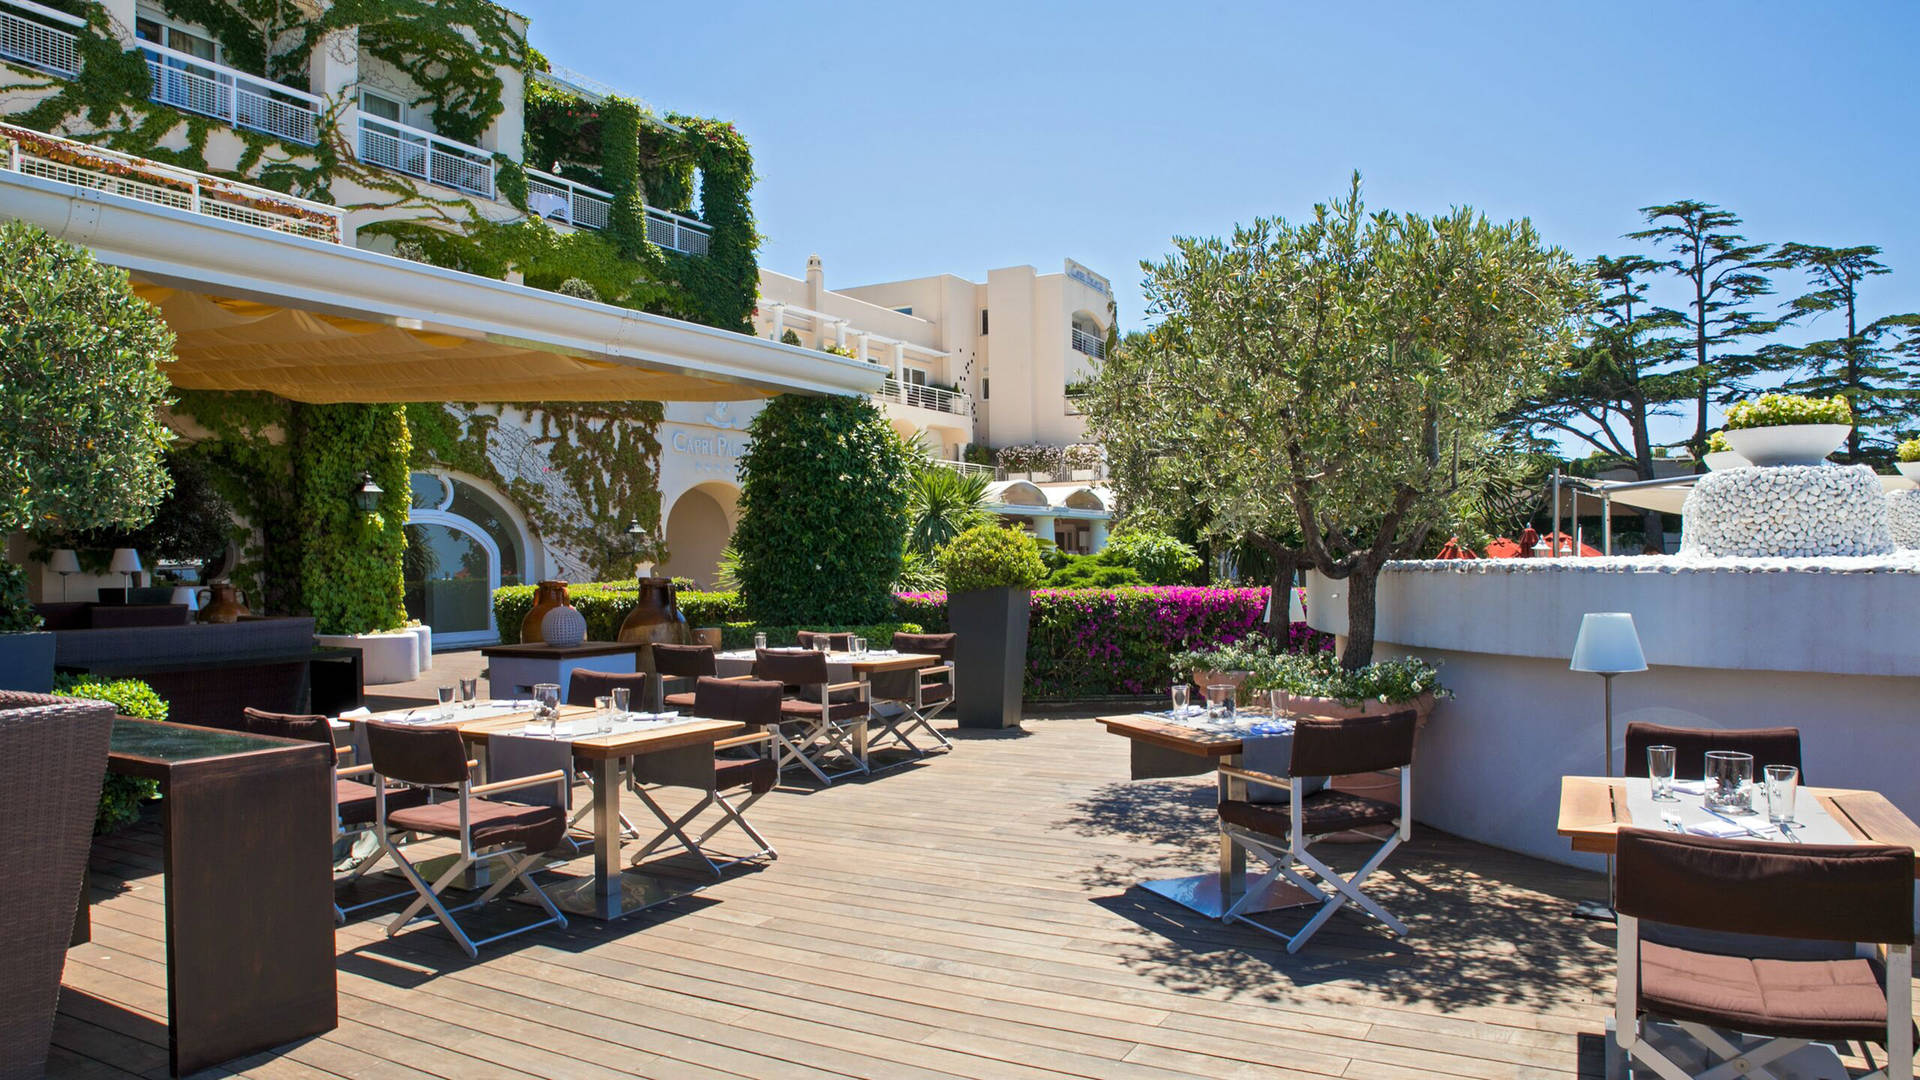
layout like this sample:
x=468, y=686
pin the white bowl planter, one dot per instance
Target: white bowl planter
x=1910, y=470
x=384, y=658
x=1788, y=444
x=424, y=636
x=1718, y=460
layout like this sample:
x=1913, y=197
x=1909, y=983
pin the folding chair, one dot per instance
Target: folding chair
x=830, y=718
x=1279, y=834
x=832, y=639
x=751, y=702
x=353, y=799
x=907, y=701
x=1769, y=746
x=487, y=829
x=1741, y=1006
x=682, y=662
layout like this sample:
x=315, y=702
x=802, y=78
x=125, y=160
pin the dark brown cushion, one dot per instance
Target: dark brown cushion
x=584, y=685
x=753, y=702
x=431, y=756
x=802, y=709
x=1323, y=747
x=357, y=805
x=308, y=728
x=935, y=691
x=1769, y=746
x=756, y=774
x=536, y=828
x=835, y=640
x=940, y=645
x=1323, y=812
x=791, y=667
x=684, y=661
x=1818, y=999
x=680, y=701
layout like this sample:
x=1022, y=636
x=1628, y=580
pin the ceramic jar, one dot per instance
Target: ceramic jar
x=546, y=596
x=225, y=605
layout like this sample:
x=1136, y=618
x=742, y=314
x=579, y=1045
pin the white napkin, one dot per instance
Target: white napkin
x=1690, y=787
x=1717, y=828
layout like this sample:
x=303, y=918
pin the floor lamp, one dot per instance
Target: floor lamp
x=1607, y=646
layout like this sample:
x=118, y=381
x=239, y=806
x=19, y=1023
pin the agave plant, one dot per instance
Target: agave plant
x=942, y=504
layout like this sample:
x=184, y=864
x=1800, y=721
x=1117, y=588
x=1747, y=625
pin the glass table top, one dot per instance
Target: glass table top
x=174, y=743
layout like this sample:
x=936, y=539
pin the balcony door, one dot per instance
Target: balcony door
x=461, y=546
x=177, y=80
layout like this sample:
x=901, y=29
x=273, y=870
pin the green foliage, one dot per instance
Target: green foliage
x=1908, y=451
x=579, y=289
x=193, y=523
x=989, y=557
x=919, y=573
x=350, y=573
x=942, y=504
x=81, y=446
x=120, y=796
x=1777, y=410
x=1253, y=654
x=16, y=611
x=822, y=511
x=1316, y=674
x=605, y=604
x=1159, y=559
x=1717, y=443
x=1099, y=571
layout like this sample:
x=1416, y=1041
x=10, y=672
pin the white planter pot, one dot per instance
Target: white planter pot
x=1725, y=459
x=384, y=658
x=1788, y=444
x=1910, y=470
x=424, y=634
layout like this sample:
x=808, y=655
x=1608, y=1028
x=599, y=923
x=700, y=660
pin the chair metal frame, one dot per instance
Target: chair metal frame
x=678, y=766
x=822, y=736
x=518, y=862
x=342, y=831
x=1337, y=891
x=914, y=715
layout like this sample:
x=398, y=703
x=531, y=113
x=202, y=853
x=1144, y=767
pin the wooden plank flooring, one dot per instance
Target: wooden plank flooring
x=975, y=915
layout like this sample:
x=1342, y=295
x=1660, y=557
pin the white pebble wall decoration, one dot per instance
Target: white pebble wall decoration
x=1787, y=511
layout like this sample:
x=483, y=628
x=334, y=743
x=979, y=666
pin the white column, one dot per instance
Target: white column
x=1043, y=528
x=840, y=333
x=860, y=349
x=900, y=361
x=1097, y=536
x=120, y=15
x=779, y=321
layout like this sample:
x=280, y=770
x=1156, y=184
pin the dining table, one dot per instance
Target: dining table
x=1593, y=809
x=600, y=742
x=843, y=667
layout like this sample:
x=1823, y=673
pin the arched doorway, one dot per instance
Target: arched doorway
x=699, y=524
x=462, y=544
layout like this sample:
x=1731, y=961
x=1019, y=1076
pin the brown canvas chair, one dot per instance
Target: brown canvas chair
x=905, y=702
x=354, y=809
x=826, y=719
x=1749, y=1011
x=1280, y=835
x=716, y=772
x=584, y=685
x=486, y=828
x=833, y=639
x=1769, y=746
x=690, y=663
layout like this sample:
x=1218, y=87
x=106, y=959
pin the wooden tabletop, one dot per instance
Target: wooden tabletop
x=612, y=745
x=1171, y=736
x=1593, y=808
x=540, y=650
x=870, y=664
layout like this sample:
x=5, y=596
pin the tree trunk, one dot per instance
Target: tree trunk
x=1362, y=588
x=1286, y=563
x=1652, y=524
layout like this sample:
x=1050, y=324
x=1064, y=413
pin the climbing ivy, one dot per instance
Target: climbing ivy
x=350, y=572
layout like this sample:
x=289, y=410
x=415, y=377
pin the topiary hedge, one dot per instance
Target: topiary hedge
x=991, y=556
x=120, y=796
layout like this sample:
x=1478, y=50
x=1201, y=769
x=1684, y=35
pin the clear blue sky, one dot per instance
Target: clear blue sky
x=898, y=142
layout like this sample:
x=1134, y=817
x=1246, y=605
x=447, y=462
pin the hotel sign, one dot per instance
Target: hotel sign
x=1090, y=279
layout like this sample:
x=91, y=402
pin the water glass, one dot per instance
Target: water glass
x=469, y=692
x=1729, y=781
x=759, y=641
x=1179, y=699
x=1660, y=772
x=1783, y=787
x=859, y=646
x=446, y=702
x=1220, y=700
x=546, y=698
x=622, y=700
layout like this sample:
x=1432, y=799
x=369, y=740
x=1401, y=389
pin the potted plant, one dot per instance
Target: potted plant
x=1720, y=455
x=1909, y=460
x=1785, y=429
x=1229, y=665
x=1315, y=684
x=990, y=572
x=26, y=651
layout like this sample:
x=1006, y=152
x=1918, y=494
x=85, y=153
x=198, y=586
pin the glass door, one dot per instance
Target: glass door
x=451, y=573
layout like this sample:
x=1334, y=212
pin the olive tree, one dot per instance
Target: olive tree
x=1349, y=371
x=81, y=444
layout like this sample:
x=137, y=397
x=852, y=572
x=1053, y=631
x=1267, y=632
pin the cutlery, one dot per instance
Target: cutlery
x=1751, y=831
x=1786, y=830
x=1672, y=820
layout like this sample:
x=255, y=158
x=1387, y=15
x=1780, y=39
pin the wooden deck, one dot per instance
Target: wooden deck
x=970, y=916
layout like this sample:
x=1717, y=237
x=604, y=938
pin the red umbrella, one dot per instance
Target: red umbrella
x=1454, y=549
x=1503, y=548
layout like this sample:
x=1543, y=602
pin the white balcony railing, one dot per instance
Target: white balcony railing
x=926, y=397
x=676, y=233
x=37, y=44
x=187, y=82
x=1091, y=344
x=968, y=468
x=425, y=155
x=566, y=202
x=69, y=162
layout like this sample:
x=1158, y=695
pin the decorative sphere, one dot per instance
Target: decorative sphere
x=564, y=627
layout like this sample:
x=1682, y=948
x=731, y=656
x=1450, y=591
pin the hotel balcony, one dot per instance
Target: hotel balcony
x=1091, y=344
x=565, y=202
x=426, y=156
x=951, y=402
x=39, y=42
x=242, y=100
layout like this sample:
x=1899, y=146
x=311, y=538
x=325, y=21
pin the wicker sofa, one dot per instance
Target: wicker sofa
x=53, y=753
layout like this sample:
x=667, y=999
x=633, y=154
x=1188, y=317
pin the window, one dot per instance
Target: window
x=379, y=105
x=983, y=322
x=985, y=393
x=173, y=37
x=916, y=376
x=904, y=310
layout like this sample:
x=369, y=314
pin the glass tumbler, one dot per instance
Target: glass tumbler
x=1220, y=699
x=1729, y=781
x=469, y=692
x=759, y=641
x=1783, y=787
x=622, y=701
x=859, y=646
x=446, y=702
x=1660, y=772
x=546, y=697
x=1179, y=699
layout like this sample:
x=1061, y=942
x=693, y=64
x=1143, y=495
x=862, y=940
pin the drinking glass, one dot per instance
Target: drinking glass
x=546, y=697
x=446, y=702
x=1179, y=699
x=759, y=641
x=1220, y=699
x=859, y=646
x=1660, y=771
x=622, y=699
x=469, y=692
x=1729, y=781
x=1783, y=787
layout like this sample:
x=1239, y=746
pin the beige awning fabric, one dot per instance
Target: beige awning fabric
x=226, y=343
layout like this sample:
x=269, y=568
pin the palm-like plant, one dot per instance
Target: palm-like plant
x=941, y=504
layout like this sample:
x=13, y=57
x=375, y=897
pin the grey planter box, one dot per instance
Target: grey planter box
x=989, y=654
x=26, y=662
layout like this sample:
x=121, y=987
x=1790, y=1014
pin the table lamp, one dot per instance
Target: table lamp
x=64, y=561
x=126, y=561
x=1607, y=646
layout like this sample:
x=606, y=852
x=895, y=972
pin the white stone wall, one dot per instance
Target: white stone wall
x=1903, y=517
x=1788, y=510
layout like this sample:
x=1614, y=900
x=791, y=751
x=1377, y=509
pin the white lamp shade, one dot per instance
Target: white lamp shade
x=1296, y=609
x=64, y=561
x=125, y=561
x=1608, y=644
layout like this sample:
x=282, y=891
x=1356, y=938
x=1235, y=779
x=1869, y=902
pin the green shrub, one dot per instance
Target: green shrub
x=822, y=511
x=605, y=605
x=1776, y=410
x=1319, y=674
x=1159, y=559
x=1717, y=443
x=16, y=612
x=989, y=557
x=1909, y=450
x=1092, y=572
x=120, y=796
